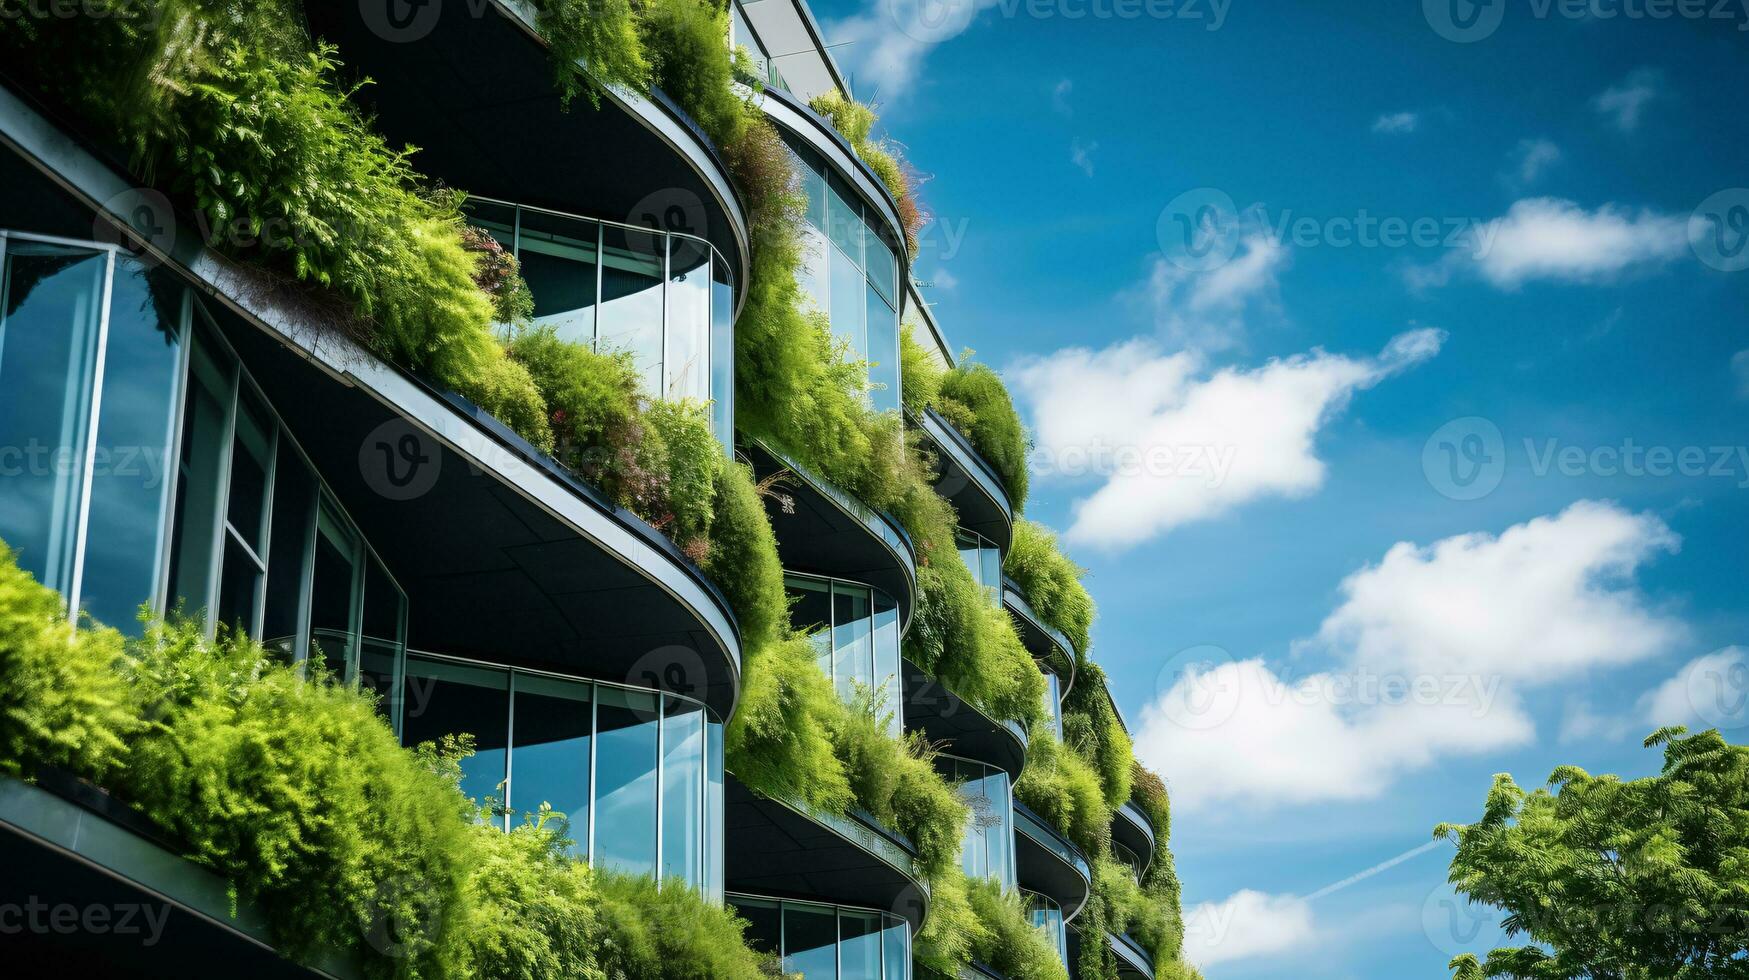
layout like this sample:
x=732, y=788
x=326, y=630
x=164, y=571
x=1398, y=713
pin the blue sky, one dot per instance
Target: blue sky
x=1563, y=295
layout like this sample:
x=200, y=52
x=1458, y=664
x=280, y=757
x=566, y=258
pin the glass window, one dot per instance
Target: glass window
x=205, y=434
x=887, y=678
x=811, y=271
x=244, y=568
x=131, y=478
x=49, y=323
x=559, y=259
x=294, y=517
x=334, y=588
x=859, y=945
x=984, y=562
x=550, y=754
x=987, y=850
x=896, y=948
x=844, y=223
x=689, y=320
x=714, y=814
x=810, y=941
x=722, y=390
x=847, y=306
x=810, y=611
x=883, y=268
x=453, y=699
x=883, y=354
x=1048, y=915
x=625, y=781
x=1054, y=704
x=631, y=301
x=852, y=649
x=764, y=924
x=813, y=174
x=380, y=650
x=499, y=219
x=683, y=791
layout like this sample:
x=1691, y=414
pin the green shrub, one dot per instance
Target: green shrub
x=1011, y=944
x=61, y=701
x=778, y=742
x=1132, y=911
x=854, y=121
x=1050, y=582
x=896, y=781
x=1063, y=789
x=505, y=389
x=593, y=43
x=686, y=42
x=975, y=400
x=534, y=912
x=958, y=635
x=692, y=464
x=953, y=927
x=743, y=558
x=670, y=933
x=920, y=376
x=1091, y=727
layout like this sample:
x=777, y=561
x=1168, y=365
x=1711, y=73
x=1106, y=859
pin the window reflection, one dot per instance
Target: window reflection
x=689, y=319
x=1048, y=916
x=625, y=781
x=550, y=752
x=987, y=850
x=983, y=560
x=452, y=699
x=631, y=301
x=815, y=941
x=1054, y=704
x=855, y=630
x=559, y=261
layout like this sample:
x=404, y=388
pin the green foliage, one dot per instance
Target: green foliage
x=61, y=701
x=1132, y=910
x=743, y=558
x=686, y=42
x=1050, y=582
x=1063, y=789
x=1010, y=943
x=975, y=400
x=594, y=43
x=896, y=781
x=778, y=741
x=920, y=375
x=1603, y=877
x=960, y=636
x=855, y=121
x=952, y=927
x=669, y=932
x=1091, y=727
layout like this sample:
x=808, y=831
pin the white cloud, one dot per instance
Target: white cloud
x=944, y=280
x=1624, y=103
x=1060, y=97
x=1549, y=238
x=1207, y=310
x=1248, y=924
x=1431, y=649
x=1081, y=155
x=1176, y=443
x=1711, y=691
x=1740, y=368
x=1581, y=723
x=1396, y=122
x=1532, y=158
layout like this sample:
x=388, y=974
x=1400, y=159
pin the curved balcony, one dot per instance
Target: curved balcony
x=813, y=939
x=821, y=530
x=470, y=82
x=784, y=849
x=1130, y=830
x=67, y=845
x=969, y=482
x=1049, y=863
x=522, y=563
x=1132, y=960
x=949, y=720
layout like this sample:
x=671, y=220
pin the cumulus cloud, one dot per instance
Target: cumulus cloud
x=1624, y=104
x=1547, y=238
x=1396, y=122
x=1247, y=925
x=1711, y=691
x=1209, y=309
x=1532, y=158
x=1432, y=649
x=1176, y=442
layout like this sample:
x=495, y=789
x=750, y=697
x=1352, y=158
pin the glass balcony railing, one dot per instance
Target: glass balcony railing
x=662, y=296
x=987, y=849
x=984, y=560
x=1048, y=916
x=827, y=942
x=636, y=774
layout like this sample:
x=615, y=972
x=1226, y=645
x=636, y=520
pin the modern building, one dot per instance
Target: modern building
x=196, y=442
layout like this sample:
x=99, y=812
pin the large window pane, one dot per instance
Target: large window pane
x=886, y=662
x=550, y=758
x=48, y=343
x=451, y=699
x=380, y=650
x=811, y=273
x=1001, y=832
x=714, y=814
x=558, y=257
x=125, y=540
x=689, y=320
x=244, y=568
x=205, y=435
x=625, y=781
x=847, y=306
x=1054, y=704
x=883, y=354
x=810, y=940
x=723, y=355
x=499, y=219
x=811, y=612
x=631, y=301
x=896, y=949
x=852, y=650
x=883, y=268
x=333, y=591
x=683, y=791
x=859, y=950
x=764, y=924
x=294, y=515
x=844, y=218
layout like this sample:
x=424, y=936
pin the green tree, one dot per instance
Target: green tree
x=1616, y=880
